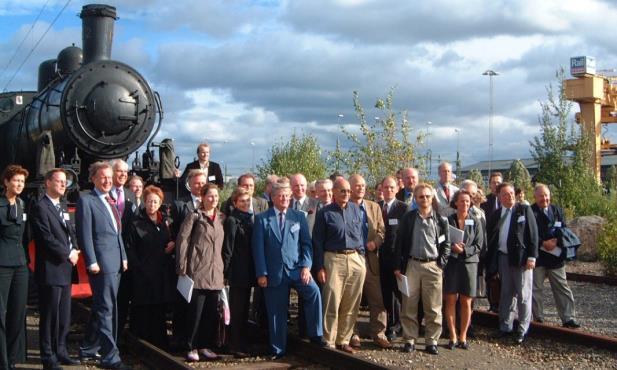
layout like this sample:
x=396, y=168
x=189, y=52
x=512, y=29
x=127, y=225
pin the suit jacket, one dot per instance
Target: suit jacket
x=444, y=204
x=179, y=210
x=391, y=223
x=309, y=209
x=215, y=175
x=237, y=253
x=376, y=234
x=404, y=237
x=489, y=206
x=129, y=211
x=51, y=235
x=259, y=205
x=401, y=196
x=12, y=251
x=96, y=235
x=473, y=238
x=275, y=253
x=522, y=236
x=546, y=228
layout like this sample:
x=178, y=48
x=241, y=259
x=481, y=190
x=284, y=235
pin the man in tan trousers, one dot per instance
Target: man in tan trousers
x=373, y=232
x=338, y=257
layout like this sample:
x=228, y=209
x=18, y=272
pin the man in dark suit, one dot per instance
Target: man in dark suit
x=212, y=170
x=513, y=249
x=99, y=235
x=56, y=254
x=551, y=257
x=492, y=201
x=410, y=179
x=393, y=211
x=489, y=207
x=270, y=180
x=179, y=210
x=125, y=199
x=282, y=254
x=258, y=205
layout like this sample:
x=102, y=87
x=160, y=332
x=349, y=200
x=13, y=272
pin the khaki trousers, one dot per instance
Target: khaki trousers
x=341, y=295
x=425, y=280
x=372, y=292
x=564, y=300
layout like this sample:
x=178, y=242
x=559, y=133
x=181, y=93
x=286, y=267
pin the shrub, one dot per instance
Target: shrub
x=607, y=247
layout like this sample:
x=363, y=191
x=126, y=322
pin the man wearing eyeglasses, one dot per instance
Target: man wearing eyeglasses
x=422, y=248
x=338, y=249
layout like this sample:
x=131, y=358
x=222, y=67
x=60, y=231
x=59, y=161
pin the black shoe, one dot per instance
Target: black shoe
x=409, y=347
x=502, y=334
x=520, y=338
x=319, y=341
x=68, y=361
x=571, y=324
x=451, y=345
x=117, y=366
x=463, y=345
x=89, y=358
x=432, y=349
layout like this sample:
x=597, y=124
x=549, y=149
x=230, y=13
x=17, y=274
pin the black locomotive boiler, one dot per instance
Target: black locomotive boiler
x=87, y=107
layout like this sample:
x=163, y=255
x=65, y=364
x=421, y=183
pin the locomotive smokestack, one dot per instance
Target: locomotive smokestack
x=97, y=31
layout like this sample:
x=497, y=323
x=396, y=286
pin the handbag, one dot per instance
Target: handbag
x=569, y=242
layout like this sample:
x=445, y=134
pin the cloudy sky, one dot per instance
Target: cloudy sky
x=238, y=72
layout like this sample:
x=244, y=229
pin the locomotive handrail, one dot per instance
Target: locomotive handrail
x=161, y=113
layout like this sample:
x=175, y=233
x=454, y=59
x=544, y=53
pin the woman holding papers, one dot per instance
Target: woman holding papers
x=199, y=257
x=461, y=271
x=148, y=248
x=239, y=267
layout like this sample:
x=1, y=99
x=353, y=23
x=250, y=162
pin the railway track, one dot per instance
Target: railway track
x=317, y=357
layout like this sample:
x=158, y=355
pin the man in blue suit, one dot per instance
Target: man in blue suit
x=99, y=234
x=282, y=254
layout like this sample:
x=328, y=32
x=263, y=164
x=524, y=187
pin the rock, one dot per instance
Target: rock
x=587, y=228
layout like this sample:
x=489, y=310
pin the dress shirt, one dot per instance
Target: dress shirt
x=196, y=201
x=278, y=219
x=103, y=197
x=364, y=224
x=424, y=238
x=389, y=205
x=504, y=229
x=298, y=203
x=118, y=194
x=56, y=202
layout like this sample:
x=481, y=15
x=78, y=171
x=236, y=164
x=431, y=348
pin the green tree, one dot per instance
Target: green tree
x=299, y=154
x=383, y=145
x=611, y=179
x=476, y=176
x=519, y=176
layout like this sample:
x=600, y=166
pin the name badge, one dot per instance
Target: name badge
x=25, y=217
x=521, y=219
x=557, y=224
x=295, y=228
x=441, y=238
x=66, y=217
x=393, y=221
x=469, y=223
x=211, y=178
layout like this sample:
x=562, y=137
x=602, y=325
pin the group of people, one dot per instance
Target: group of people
x=413, y=250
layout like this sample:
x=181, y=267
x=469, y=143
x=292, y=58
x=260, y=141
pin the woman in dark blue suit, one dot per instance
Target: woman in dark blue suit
x=460, y=274
x=13, y=269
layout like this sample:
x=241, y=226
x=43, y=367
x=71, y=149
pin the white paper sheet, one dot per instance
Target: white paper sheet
x=403, y=285
x=185, y=287
x=456, y=235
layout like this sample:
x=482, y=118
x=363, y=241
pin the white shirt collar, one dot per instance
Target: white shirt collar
x=54, y=202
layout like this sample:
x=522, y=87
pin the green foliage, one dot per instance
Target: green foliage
x=607, y=247
x=519, y=176
x=301, y=154
x=476, y=176
x=382, y=147
x=611, y=179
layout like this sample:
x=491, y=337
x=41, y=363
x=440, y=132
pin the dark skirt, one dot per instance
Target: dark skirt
x=460, y=278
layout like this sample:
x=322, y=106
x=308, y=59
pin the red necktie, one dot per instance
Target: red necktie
x=114, y=210
x=446, y=190
x=385, y=211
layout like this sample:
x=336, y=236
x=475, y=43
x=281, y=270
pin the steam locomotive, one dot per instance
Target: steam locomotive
x=87, y=107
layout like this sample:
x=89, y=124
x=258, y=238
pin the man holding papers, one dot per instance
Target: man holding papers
x=422, y=248
x=550, y=261
x=461, y=272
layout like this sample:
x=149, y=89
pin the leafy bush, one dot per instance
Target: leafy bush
x=607, y=247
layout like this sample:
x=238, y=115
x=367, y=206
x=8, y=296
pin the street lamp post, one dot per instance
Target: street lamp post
x=429, y=152
x=458, y=152
x=490, y=73
x=253, y=161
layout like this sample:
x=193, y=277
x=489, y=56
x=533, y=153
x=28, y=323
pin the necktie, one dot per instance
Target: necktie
x=120, y=200
x=446, y=191
x=296, y=205
x=282, y=222
x=114, y=210
x=503, y=218
x=385, y=211
x=61, y=213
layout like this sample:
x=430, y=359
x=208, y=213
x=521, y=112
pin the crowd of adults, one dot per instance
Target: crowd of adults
x=416, y=254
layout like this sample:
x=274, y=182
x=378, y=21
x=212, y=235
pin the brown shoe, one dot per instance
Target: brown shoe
x=382, y=343
x=346, y=348
x=355, y=341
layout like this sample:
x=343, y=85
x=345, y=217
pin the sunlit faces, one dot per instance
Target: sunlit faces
x=15, y=185
x=445, y=173
x=358, y=187
x=542, y=196
x=121, y=174
x=248, y=183
x=506, y=196
x=102, y=179
x=410, y=178
x=324, y=192
x=137, y=187
x=494, y=182
x=389, y=188
x=243, y=203
x=56, y=185
x=463, y=202
x=203, y=153
x=196, y=183
x=210, y=200
x=298, y=186
x=342, y=192
x=281, y=198
x=424, y=198
x=152, y=203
